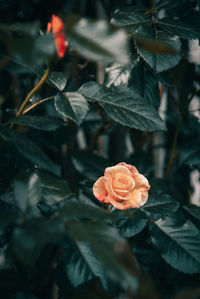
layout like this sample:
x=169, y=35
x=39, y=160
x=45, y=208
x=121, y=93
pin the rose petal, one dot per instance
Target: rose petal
x=123, y=182
x=135, y=199
x=123, y=205
x=99, y=190
x=141, y=183
x=59, y=35
x=131, y=168
x=111, y=191
x=112, y=171
x=120, y=190
x=48, y=27
x=144, y=197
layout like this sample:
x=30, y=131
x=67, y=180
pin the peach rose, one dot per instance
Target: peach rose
x=122, y=186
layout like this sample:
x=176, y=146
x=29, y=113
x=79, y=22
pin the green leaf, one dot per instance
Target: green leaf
x=129, y=19
x=80, y=264
x=118, y=74
x=106, y=250
x=32, y=51
x=89, y=165
x=124, y=106
x=58, y=80
x=193, y=210
x=73, y=209
x=153, y=46
x=25, y=28
x=27, y=191
x=159, y=62
x=165, y=4
x=72, y=105
x=145, y=84
x=54, y=190
x=176, y=27
x=190, y=154
x=99, y=41
x=31, y=236
x=178, y=244
x=161, y=204
x=130, y=226
x=55, y=79
x=45, y=123
x=92, y=289
x=9, y=214
x=23, y=296
x=29, y=149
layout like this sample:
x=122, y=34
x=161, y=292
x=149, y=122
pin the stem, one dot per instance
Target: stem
x=33, y=91
x=105, y=7
x=174, y=144
x=36, y=104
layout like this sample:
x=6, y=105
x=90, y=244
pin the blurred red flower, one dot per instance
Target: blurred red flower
x=57, y=27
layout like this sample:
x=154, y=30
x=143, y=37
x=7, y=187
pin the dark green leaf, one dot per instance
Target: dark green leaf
x=89, y=165
x=32, y=51
x=99, y=41
x=145, y=84
x=54, y=190
x=130, y=226
x=92, y=289
x=160, y=62
x=176, y=27
x=45, y=123
x=161, y=204
x=23, y=296
x=31, y=28
x=165, y=4
x=27, y=191
x=190, y=154
x=55, y=79
x=124, y=106
x=80, y=264
x=9, y=214
x=29, y=149
x=193, y=210
x=73, y=209
x=105, y=250
x=44, y=50
x=118, y=74
x=58, y=80
x=31, y=236
x=164, y=78
x=129, y=19
x=178, y=244
x=153, y=46
x=72, y=105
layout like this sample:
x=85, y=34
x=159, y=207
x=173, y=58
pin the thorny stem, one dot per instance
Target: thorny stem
x=174, y=144
x=36, y=104
x=33, y=91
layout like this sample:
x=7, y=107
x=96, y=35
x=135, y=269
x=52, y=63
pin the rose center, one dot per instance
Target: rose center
x=122, y=182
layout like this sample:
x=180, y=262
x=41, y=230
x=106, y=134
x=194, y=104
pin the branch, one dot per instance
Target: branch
x=174, y=144
x=36, y=104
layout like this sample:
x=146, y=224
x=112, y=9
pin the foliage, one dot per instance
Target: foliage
x=123, y=92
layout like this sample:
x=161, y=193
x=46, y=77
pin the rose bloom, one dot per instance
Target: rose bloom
x=57, y=27
x=122, y=186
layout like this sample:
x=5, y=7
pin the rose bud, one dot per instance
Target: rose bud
x=57, y=27
x=122, y=186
